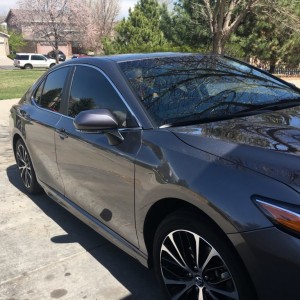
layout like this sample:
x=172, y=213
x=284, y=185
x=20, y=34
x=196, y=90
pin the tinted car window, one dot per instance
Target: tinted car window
x=37, y=57
x=49, y=95
x=91, y=90
x=37, y=96
x=200, y=88
x=22, y=57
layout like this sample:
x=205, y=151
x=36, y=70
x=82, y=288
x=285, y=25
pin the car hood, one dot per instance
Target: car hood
x=268, y=143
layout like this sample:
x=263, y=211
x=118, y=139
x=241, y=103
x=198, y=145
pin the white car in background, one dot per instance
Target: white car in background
x=33, y=60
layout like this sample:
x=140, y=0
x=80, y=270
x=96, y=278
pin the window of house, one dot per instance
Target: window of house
x=92, y=90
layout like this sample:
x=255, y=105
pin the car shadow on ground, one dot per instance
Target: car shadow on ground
x=138, y=280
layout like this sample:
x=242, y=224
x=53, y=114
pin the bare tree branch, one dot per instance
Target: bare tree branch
x=52, y=21
x=101, y=23
x=223, y=17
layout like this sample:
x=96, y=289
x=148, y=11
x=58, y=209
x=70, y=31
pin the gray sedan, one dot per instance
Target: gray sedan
x=188, y=162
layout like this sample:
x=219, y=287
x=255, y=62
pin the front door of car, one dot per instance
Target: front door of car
x=98, y=176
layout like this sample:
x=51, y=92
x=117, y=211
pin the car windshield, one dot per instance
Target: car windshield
x=196, y=88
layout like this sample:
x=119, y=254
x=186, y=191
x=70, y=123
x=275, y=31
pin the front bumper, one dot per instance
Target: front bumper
x=272, y=258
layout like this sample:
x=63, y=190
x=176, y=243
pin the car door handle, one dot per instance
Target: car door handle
x=62, y=133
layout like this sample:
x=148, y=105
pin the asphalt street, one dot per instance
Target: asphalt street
x=46, y=253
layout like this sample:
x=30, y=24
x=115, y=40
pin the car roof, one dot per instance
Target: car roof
x=54, y=50
x=114, y=59
x=29, y=54
x=141, y=56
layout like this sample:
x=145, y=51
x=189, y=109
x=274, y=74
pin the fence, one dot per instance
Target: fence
x=292, y=72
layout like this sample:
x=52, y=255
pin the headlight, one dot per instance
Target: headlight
x=282, y=215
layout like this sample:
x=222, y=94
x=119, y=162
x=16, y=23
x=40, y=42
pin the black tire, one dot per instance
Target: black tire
x=52, y=65
x=26, y=170
x=215, y=274
x=28, y=67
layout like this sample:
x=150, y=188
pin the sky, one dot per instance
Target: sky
x=5, y=6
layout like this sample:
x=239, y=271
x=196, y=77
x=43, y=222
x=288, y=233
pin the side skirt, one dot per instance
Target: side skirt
x=95, y=224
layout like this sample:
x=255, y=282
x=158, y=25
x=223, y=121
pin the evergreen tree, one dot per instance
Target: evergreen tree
x=180, y=30
x=269, y=41
x=15, y=41
x=140, y=32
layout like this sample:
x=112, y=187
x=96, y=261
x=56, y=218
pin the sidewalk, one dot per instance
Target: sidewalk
x=294, y=80
x=5, y=106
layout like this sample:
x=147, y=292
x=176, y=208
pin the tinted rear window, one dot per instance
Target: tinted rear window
x=22, y=57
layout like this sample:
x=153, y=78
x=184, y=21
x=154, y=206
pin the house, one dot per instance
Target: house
x=34, y=42
x=4, y=48
x=3, y=25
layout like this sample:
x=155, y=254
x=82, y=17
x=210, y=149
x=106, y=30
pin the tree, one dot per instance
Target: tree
x=103, y=14
x=53, y=21
x=15, y=41
x=178, y=26
x=141, y=30
x=222, y=17
x=269, y=40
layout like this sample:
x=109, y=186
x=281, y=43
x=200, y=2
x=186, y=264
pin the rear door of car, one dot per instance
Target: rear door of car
x=21, y=60
x=39, y=61
x=43, y=115
x=98, y=176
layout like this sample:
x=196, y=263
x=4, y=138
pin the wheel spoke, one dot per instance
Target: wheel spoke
x=164, y=248
x=211, y=254
x=29, y=178
x=23, y=173
x=177, y=282
x=197, y=248
x=25, y=156
x=200, y=294
x=20, y=158
x=171, y=237
x=21, y=168
x=182, y=292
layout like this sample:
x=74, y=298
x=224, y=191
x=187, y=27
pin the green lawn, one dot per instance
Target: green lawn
x=14, y=83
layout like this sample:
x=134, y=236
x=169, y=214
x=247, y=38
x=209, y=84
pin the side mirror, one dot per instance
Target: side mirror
x=95, y=119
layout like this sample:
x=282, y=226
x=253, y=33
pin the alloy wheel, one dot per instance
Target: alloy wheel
x=192, y=269
x=24, y=165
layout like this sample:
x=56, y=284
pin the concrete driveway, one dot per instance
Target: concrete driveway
x=46, y=253
x=6, y=63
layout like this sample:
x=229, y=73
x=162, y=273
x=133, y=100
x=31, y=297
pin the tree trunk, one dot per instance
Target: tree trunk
x=272, y=68
x=272, y=65
x=218, y=43
x=56, y=51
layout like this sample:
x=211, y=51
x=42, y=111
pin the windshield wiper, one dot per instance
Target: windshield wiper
x=274, y=105
x=197, y=118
